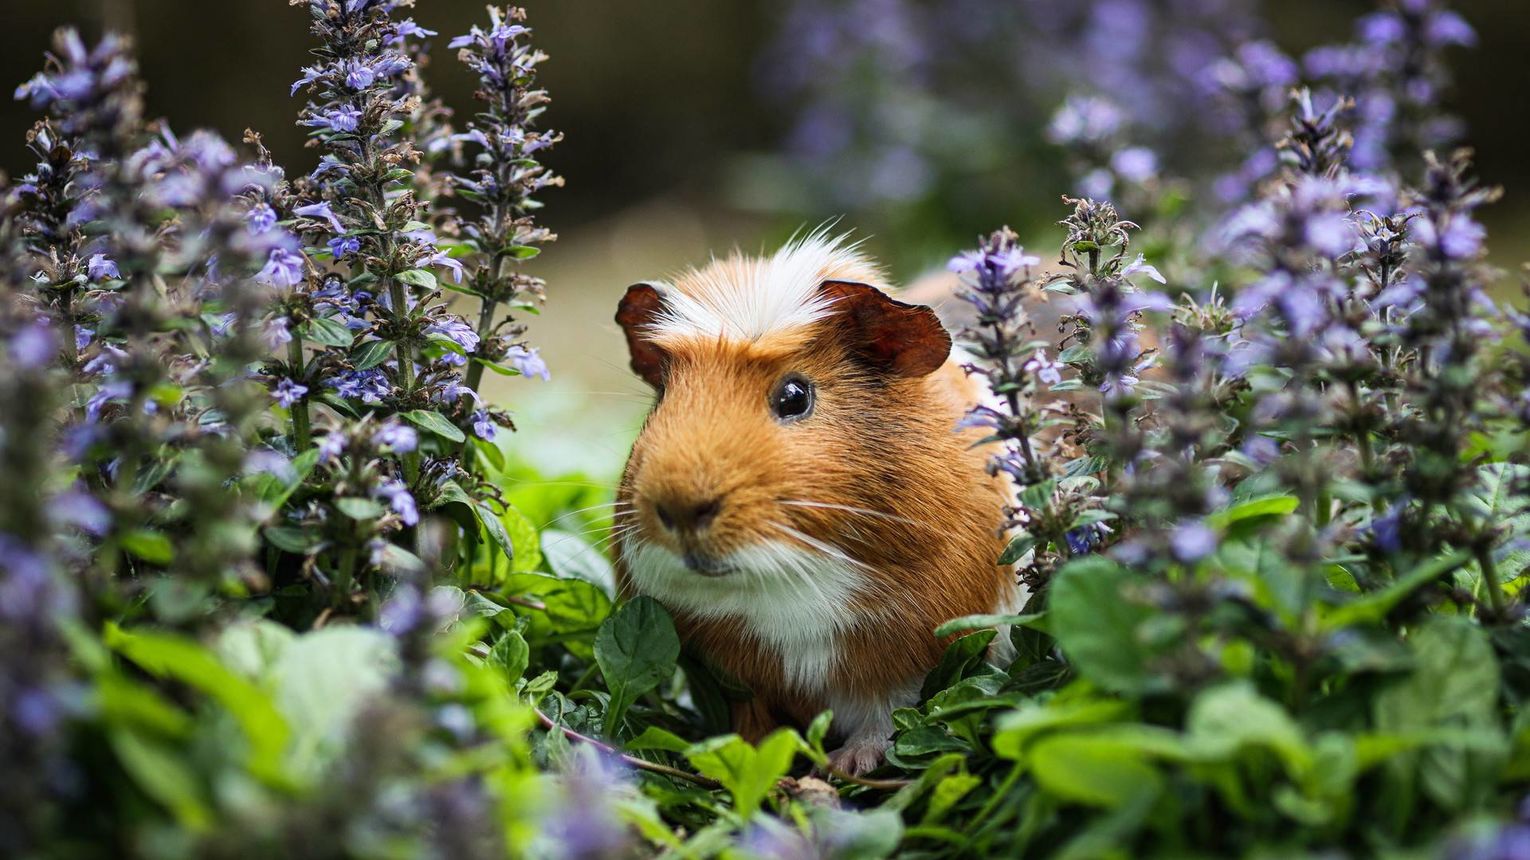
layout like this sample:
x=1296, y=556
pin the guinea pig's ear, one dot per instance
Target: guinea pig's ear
x=638, y=312
x=902, y=339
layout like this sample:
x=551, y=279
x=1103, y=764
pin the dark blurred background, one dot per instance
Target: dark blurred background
x=671, y=115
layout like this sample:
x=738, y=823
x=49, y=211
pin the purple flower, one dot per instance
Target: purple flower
x=321, y=210
x=310, y=74
x=82, y=337
x=1149, y=301
x=1135, y=164
x=1085, y=119
x=331, y=446
x=368, y=386
x=1386, y=530
x=344, y=246
x=359, y=75
x=1330, y=234
x=406, y=28
x=100, y=266
x=276, y=333
x=483, y=425
x=266, y=461
x=34, y=347
x=443, y=259
x=528, y=362
x=288, y=392
x=261, y=218
x=78, y=508
x=1044, y=369
x=400, y=438
x=1192, y=541
x=457, y=331
x=283, y=268
x=400, y=500
x=342, y=119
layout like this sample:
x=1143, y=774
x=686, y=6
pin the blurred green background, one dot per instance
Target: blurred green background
x=667, y=116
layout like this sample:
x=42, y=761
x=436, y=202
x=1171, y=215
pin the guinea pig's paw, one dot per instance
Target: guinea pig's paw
x=859, y=756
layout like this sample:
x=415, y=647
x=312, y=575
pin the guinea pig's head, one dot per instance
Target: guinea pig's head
x=791, y=404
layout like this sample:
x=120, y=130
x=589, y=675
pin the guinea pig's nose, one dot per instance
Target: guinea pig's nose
x=688, y=516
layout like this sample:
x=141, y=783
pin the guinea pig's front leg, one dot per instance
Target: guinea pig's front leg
x=865, y=723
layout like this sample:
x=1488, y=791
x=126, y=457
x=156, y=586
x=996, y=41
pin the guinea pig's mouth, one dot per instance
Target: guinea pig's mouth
x=704, y=564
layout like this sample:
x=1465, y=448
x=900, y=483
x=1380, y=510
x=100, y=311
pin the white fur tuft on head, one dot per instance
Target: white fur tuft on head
x=745, y=298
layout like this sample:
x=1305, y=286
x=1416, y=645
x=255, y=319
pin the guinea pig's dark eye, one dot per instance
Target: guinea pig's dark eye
x=792, y=399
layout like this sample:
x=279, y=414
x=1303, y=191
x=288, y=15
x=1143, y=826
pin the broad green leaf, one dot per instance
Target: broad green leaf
x=511, y=655
x=747, y=772
x=1093, y=770
x=322, y=680
x=359, y=508
x=655, y=738
x=960, y=657
x=1017, y=730
x=636, y=648
x=569, y=556
x=151, y=546
x=1226, y=719
x=327, y=332
x=978, y=622
x=171, y=656
x=1454, y=684
x=371, y=354
x=434, y=422
x=1017, y=548
x=1095, y=620
x=418, y=278
x=523, y=537
x=158, y=769
x=1253, y=511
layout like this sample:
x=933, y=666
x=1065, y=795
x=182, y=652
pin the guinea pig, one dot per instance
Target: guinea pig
x=801, y=498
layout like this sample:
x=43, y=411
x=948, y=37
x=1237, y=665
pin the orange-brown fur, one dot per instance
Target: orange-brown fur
x=875, y=441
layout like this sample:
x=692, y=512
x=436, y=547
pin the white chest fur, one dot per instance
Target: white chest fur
x=789, y=599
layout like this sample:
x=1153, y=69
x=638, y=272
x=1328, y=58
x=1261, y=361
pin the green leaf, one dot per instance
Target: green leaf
x=1017, y=730
x=523, y=537
x=359, y=508
x=1226, y=719
x=293, y=539
x=636, y=648
x=1253, y=512
x=1454, y=684
x=960, y=657
x=322, y=681
x=170, y=656
x=570, y=557
x=434, y=422
x=327, y=332
x=747, y=772
x=978, y=622
x=371, y=354
x=1374, y=606
x=163, y=775
x=1018, y=547
x=1096, y=622
x=1094, y=770
x=655, y=738
x=511, y=655
x=151, y=546
x=418, y=278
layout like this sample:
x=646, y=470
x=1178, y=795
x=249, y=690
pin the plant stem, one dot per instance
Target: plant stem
x=405, y=356
x=301, y=433
x=1490, y=576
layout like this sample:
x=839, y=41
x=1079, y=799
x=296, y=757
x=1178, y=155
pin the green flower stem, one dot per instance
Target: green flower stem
x=405, y=357
x=301, y=431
